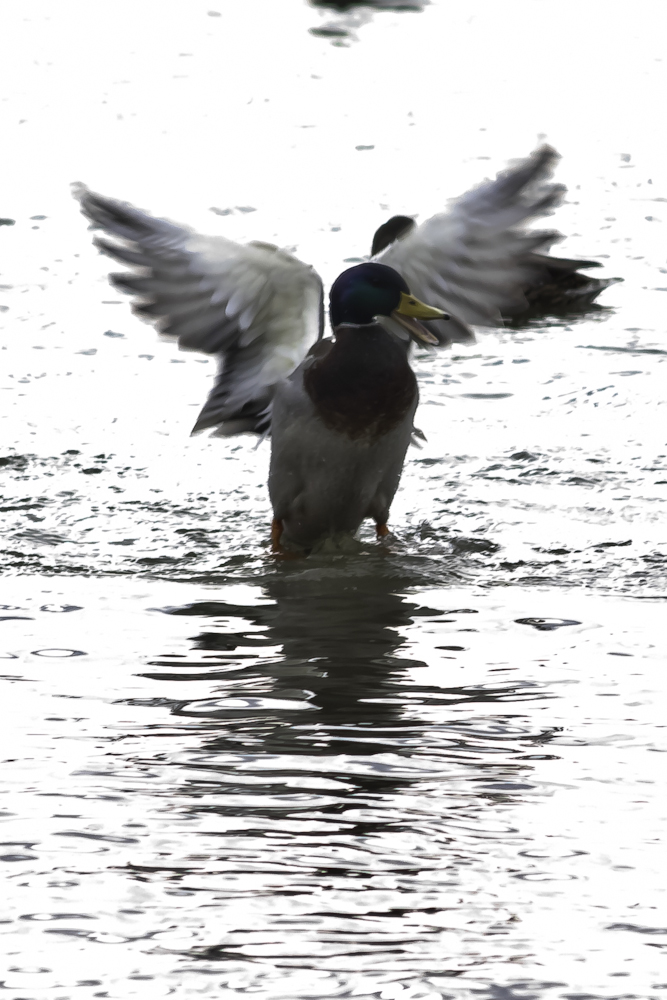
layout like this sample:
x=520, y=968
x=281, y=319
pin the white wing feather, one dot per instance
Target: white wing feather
x=472, y=260
x=255, y=307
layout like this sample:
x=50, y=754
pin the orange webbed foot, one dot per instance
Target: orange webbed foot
x=277, y=548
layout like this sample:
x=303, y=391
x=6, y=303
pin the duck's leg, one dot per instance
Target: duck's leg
x=381, y=530
x=276, y=535
x=277, y=548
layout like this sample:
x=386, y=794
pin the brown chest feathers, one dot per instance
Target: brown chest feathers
x=363, y=386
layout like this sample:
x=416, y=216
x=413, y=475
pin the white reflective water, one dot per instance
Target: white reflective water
x=433, y=770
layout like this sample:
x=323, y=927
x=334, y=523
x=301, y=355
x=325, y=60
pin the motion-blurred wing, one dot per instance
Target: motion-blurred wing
x=473, y=260
x=255, y=307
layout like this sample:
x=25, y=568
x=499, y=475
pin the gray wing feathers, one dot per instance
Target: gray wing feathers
x=473, y=260
x=255, y=307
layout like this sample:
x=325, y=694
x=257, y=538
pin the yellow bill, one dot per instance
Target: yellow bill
x=410, y=310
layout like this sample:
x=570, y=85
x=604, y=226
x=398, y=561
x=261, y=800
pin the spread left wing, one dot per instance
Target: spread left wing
x=254, y=307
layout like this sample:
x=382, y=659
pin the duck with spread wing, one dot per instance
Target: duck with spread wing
x=339, y=411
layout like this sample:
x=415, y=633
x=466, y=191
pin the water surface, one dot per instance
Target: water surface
x=426, y=770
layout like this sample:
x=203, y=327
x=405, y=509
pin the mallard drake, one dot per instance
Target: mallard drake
x=339, y=412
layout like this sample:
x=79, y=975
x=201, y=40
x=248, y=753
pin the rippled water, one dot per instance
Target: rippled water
x=428, y=770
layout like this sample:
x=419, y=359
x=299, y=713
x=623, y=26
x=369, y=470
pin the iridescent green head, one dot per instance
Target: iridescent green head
x=366, y=291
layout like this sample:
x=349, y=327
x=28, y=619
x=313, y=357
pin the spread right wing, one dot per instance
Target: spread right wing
x=254, y=307
x=474, y=260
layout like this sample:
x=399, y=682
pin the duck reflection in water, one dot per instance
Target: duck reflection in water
x=318, y=672
x=337, y=661
x=337, y=793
